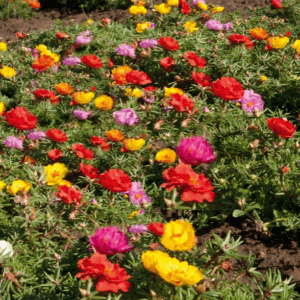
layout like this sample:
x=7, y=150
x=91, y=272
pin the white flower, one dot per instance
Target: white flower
x=6, y=248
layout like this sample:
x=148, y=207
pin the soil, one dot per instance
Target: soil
x=278, y=250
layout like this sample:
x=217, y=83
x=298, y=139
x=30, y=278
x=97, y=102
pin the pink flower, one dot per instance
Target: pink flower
x=195, y=151
x=109, y=240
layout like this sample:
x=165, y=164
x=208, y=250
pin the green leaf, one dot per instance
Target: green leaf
x=238, y=213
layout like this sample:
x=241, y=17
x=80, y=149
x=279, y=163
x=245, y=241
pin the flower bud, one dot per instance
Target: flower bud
x=297, y=145
x=241, y=202
x=284, y=170
x=56, y=256
x=153, y=294
x=185, y=122
x=222, y=180
x=177, y=77
x=201, y=288
x=226, y=266
x=73, y=214
x=158, y=124
x=168, y=202
x=84, y=293
x=253, y=176
x=280, y=143
x=32, y=217
x=254, y=144
x=257, y=113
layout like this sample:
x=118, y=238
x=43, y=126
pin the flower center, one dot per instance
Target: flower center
x=193, y=181
x=137, y=196
x=55, y=174
x=249, y=104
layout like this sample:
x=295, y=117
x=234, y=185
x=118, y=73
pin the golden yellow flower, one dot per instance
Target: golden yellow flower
x=134, y=145
x=278, y=42
x=64, y=182
x=150, y=259
x=64, y=88
x=134, y=93
x=263, y=78
x=140, y=27
x=3, y=47
x=114, y=135
x=296, y=46
x=178, y=236
x=137, y=10
x=18, y=185
x=41, y=48
x=217, y=9
x=88, y=22
x=163, y=8
x=2, y=108
x=172, y=90
x=133, y=214
x=104, y=102
x=173, y=2
x=190, y=26
x=2, y=185
x=83, y=98
x=202, y=6
x=119, y=74
x=7, y=72
x=166, y=156
x=55, y=173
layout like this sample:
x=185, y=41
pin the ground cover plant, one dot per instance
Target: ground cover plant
x=105, y=125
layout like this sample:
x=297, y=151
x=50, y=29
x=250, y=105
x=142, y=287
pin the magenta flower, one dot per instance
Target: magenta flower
x=110, y=241
x=126, y=116
x=126, y=50
x=137, y=194
x=71, y=61
x=138, y=229
x=206, y=109
x=195, y=151
x=152, y=25
x=84, y=37
x=13, y=142
x=214, y=25
x=227, y=26
x=81, y=114
x=148, y=43
x=195, y=2
x=36, y=135
x=251, y=102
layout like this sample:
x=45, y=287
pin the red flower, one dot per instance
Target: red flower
x=276, y=4
x=288, y=33
x=227, y=88
x=69, y=195
x=20, y=35
x=168, y=64
x=168, y=43
x=150, y=89
x=45, y=94
x=184, y=7
x=239, y=39
x=61, y=35
x=92, y=61
x=100, y=141
x=156, y=228
x=107, y=276
x=137, y=77
x=89, y=170
x=110, y=63
x=93, y=88
x=194, y=60
x=201, y=78
x=82, y=152
x=181, y=103
x=115, y=180
x=281, y=127
x=21, y=118
x=55, y=154
x=56, y=135
x=249, y=45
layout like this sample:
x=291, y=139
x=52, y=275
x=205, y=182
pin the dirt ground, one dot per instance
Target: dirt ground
x=276, y=251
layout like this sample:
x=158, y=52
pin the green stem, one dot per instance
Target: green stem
x=276, y=220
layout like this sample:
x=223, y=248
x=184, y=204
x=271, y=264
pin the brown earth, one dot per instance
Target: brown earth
x=278, y=250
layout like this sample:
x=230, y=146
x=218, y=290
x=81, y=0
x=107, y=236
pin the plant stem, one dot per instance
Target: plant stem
x=276, y=220
x=214, y=257
x=93, y=221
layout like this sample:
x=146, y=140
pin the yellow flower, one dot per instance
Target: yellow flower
x=88, y=22
x=202, y=6
x=163, y=8
x=178, y=273
x=140, y=27
x=119, y=74
x=2, y=108
x=104, y=102
x=217, y=9
x=2, y=185
x=296, y=45
x=172, y=90
x=278, y=42
x=150, y=259
x=190, y=26
x=166, y=156
x=134, y=214
x=84, y=98
x=55, y=173
x=134, y=145
x=41, y=48
x=18, y=185
x=178, y=236
x=137, y=10
x=134, y=93
x=173, y=2
x=263, y=78
x=3, y=47
x=7, y=72
x=64, y=182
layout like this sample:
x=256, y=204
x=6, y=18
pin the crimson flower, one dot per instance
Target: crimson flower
x=138, y=77
x=281, y=127
x=115, y=180
x=227, y=88
x=56, y=135
x=21, y=118
x=82, y=152
x=194, y=60
x=168, y=43
x=92, y=61
x=167, y=64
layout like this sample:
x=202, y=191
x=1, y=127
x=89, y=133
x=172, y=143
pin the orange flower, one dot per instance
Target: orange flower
x=114, y=135
x=34, y=3
x=43, y=63
x=119, y=74
x=64, y=88
x=259, y=33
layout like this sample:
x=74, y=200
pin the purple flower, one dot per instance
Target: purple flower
x=138, y=229
x=35, y=53
x=195, y=151
x=36, y=135
x=137, y=194
x=55, y=68
x=206, y=110
x=148, y=43
x=126, y=50
x=84, y=37
x=81, y=114
x=152, y=25
x=110, y=241
x=195, y=2
x=227, y=26
x=149, y=99
x=251, y=102
x=13, y=142
x=70, y=61
x=214, y=25
x=126, y=116
x=94, y=201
